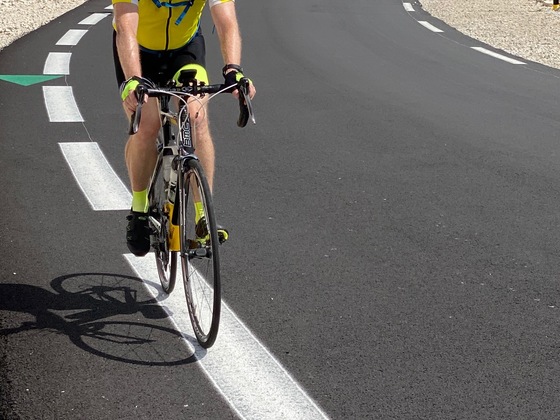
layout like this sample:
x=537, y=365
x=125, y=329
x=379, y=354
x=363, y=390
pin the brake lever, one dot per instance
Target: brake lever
x=140, y=92
x=245, y=105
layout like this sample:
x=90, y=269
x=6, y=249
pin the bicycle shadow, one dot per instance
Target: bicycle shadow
x=89, y=308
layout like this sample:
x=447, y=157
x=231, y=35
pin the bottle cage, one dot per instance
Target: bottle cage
x=187, y=5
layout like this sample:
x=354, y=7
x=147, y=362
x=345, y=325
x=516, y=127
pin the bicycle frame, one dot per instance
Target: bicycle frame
x=184, y=140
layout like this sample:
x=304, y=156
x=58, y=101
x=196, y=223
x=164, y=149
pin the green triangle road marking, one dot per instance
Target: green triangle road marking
x=26, y=79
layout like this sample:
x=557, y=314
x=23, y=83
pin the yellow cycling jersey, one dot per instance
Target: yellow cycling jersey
x=171, y=25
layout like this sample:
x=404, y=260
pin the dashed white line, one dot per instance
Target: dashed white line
x=61, y=105
x=94, y=18
x=57, y=63
x=429, y=26
x=408, y=7
x=496, y=55
x=96, y=178
x=72, y=37
x=253, y=382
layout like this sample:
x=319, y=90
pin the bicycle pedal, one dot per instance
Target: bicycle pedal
x=200, y=253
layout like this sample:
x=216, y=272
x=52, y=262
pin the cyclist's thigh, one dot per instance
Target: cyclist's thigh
x=191, y=56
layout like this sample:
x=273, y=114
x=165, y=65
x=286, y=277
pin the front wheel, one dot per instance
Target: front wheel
x=200, y=253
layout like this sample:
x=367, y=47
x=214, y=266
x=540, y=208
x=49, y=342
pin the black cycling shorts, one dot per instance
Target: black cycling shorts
x=160, y=66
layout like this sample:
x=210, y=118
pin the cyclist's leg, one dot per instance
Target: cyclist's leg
x=203, y=141
x=140, y=157
x=193, y=56
x=140, y=149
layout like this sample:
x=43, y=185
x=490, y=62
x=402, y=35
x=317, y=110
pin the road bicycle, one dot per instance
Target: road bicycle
x=181, y=210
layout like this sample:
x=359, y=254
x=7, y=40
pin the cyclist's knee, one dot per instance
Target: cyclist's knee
x=200, y=123
x=150, y=122
x=199, y=117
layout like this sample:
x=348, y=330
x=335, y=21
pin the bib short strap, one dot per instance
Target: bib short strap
x=187, y=5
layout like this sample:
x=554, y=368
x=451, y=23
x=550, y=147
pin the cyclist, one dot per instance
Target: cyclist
x=152, y=41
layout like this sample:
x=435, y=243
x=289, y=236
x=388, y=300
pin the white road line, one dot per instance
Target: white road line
x=110, y=7
x=408, y=7
x=61, y=105
x=93, y=19
x=57, y=63
x=429, y=26
x=100, y=184
x=496, y=55
x=72, y=37
x=240, y=367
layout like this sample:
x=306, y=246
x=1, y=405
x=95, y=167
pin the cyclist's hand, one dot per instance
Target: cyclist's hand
x=232, y=74
x=128, y=94
x=252, y=89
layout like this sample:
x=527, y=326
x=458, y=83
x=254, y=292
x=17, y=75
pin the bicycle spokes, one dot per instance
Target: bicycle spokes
x=199, y=253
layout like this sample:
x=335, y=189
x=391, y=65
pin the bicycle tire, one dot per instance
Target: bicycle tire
x=200, y=256
x=160, y=212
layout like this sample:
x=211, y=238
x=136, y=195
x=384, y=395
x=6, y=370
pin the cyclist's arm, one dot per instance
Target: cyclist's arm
x=126, y=25
x=225, y=19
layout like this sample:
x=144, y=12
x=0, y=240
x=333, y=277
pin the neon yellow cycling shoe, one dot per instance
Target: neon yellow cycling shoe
x=202, y=232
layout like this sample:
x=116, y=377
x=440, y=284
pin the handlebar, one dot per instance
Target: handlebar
x=193, y=89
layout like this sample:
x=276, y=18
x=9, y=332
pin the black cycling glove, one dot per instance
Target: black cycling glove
x=232, y=77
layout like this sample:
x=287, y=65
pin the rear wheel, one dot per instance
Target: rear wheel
x=160, y=223
x=200, y=253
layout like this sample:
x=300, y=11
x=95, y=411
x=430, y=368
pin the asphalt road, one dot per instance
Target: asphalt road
x=394, y=220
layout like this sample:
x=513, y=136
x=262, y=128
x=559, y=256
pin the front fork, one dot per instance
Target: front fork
x=181, y=165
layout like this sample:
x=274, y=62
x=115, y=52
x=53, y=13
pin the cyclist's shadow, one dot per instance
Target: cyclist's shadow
x=82, y=306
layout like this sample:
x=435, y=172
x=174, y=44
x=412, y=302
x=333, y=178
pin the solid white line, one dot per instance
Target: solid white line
x=408, y=7
x=429, y=26
x=93, y=19
x=61, y=105
x=72, y=37
x=110, y=7
x=57, y=63
x=100, y=184
x=240, y=367
x=496, y=55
